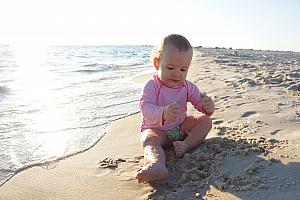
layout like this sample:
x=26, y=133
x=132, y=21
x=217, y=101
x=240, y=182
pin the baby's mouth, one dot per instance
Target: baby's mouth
x=175, y=81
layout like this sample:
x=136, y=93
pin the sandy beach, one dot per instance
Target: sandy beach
x=252, y=152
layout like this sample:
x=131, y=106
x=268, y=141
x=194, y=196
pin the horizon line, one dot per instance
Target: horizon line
x=194, y=46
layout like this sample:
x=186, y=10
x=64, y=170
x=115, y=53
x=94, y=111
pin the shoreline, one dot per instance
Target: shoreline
x=49, y=162
x=255, y=139
x=95, y=167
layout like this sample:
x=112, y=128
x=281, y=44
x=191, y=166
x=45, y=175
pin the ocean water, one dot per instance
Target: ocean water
x=57, y=100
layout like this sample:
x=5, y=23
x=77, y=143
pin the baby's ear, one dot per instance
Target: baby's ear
x=156, y=62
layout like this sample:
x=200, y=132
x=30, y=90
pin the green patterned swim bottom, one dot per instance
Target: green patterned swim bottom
x=175, y=134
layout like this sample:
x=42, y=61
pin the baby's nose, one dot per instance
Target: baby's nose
x=176, y=72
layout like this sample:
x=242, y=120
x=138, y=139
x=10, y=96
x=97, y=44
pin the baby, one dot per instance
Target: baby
x=164, y=108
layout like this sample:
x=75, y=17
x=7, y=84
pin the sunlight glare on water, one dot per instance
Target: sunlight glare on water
x=32, y=77
x=34, y=83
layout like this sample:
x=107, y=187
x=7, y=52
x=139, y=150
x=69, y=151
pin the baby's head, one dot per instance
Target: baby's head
x=175, y=40
x=172, y=59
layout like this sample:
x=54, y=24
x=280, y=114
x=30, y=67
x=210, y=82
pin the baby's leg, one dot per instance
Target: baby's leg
x=154, y=156
x=198, y=128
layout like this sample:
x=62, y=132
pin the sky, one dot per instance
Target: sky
x=250, y=24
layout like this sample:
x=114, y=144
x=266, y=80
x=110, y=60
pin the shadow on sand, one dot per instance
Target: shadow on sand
x=242, y=168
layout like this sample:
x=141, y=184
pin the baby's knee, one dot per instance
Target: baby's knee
x=148, y=138
x=206, y=120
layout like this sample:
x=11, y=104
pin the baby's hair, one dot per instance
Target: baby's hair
x=178, y=41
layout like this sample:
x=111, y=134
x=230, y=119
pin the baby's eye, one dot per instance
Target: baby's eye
x=170, y=68
x=183, y=70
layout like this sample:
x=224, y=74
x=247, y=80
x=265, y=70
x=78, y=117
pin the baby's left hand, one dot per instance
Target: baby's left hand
x=207, y=104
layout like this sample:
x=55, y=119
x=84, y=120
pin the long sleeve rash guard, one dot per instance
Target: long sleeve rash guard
x=155, y=96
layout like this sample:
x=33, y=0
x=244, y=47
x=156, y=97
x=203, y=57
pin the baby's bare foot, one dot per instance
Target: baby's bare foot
x=152, y=172
x=180, y=148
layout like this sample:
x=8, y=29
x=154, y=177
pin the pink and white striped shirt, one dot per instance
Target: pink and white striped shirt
x=156, y=95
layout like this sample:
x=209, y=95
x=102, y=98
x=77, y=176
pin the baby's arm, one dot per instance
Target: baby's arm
x=208, y=106
x=171, y=111
x=150, y=111
x=200, y=100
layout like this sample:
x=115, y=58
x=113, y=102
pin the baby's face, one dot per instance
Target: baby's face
x=174, y=65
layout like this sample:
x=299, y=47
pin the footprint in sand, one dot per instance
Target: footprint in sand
x=216, y=122
x=275, y=132
x=248, y=114
x=225, y=98
x=240, y=104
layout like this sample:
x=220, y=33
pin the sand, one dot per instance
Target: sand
x=252, y=152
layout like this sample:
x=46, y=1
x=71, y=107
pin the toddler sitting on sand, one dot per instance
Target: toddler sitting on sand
x=164, y=108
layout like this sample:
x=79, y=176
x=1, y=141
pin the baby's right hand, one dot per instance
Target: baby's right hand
x=171, y=111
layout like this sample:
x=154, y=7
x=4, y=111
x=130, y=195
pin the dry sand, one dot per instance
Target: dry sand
x=252, y=152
